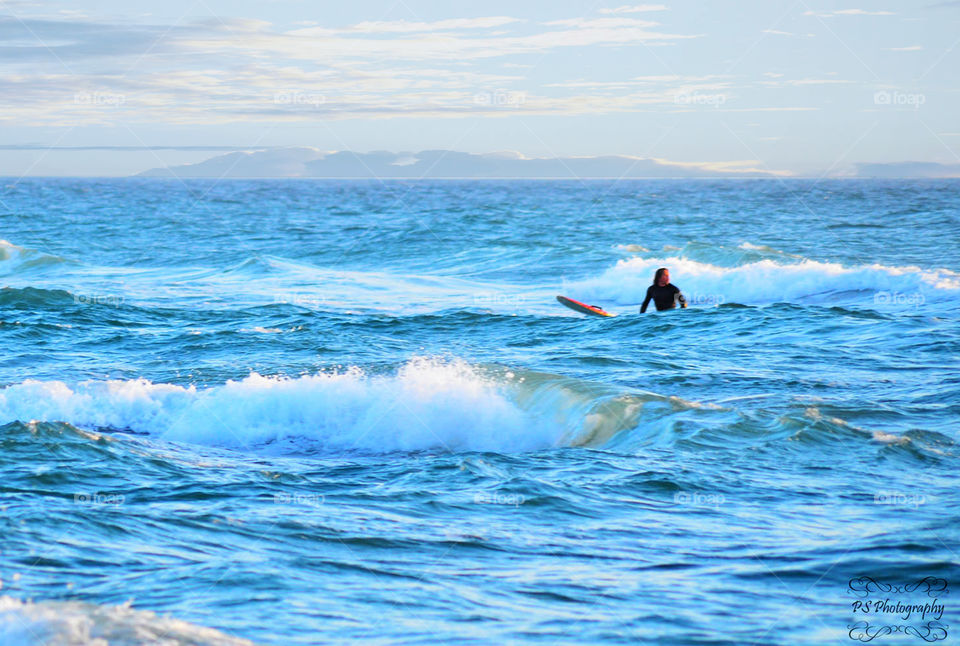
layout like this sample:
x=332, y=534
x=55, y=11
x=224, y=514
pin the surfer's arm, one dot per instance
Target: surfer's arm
x=646, y=301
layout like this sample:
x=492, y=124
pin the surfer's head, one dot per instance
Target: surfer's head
x=662, y=277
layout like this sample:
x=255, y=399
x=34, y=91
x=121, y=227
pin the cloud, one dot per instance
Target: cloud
x=639, y=8
x=862, y=12
x=315, y=43
x=600, y=23
x=848, y=12
x=669, y=82
x=75, y=42
x=265, y=93
x=798, y=82
x=777, y=32
x=59, y=72
x=402, y=26
x=777, y=81
x=911, y=48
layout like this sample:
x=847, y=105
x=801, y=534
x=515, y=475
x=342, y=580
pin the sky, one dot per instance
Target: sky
x=798, y=87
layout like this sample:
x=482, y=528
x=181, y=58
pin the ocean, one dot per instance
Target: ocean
x=309, y=411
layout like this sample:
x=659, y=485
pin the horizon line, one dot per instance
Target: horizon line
x=473, y=178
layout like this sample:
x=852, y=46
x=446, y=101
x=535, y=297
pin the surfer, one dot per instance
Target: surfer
x=664, y=295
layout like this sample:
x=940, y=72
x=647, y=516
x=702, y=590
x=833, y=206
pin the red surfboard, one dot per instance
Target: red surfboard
x=583, y=308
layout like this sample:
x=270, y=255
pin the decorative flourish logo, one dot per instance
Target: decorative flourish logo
x=919, y=601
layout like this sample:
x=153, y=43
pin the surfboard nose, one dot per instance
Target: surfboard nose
x=583, y=308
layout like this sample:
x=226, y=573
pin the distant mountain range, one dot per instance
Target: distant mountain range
x=916, y=170
x=448, y=164
x=440, y=164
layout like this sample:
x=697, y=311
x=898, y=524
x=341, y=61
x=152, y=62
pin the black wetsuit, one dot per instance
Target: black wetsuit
x=664, y=298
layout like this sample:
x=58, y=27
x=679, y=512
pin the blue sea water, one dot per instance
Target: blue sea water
x=292, y=412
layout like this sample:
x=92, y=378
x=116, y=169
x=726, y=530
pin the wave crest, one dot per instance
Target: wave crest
x=77, y=622
x=426, y=404
x=14, y=259
x=771, y=281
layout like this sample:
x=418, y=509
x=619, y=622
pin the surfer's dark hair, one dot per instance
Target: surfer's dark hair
x=656, y=276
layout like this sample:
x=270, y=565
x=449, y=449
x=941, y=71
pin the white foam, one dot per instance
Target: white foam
x=77, y=623
x=425, y=404
x=769, y=281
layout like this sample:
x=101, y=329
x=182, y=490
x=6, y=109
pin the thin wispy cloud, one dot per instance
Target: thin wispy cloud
x=639, y=8
x=848, y=12
x=817, y=82
x=402, y=26
x=779, y=32
x=862, y=12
